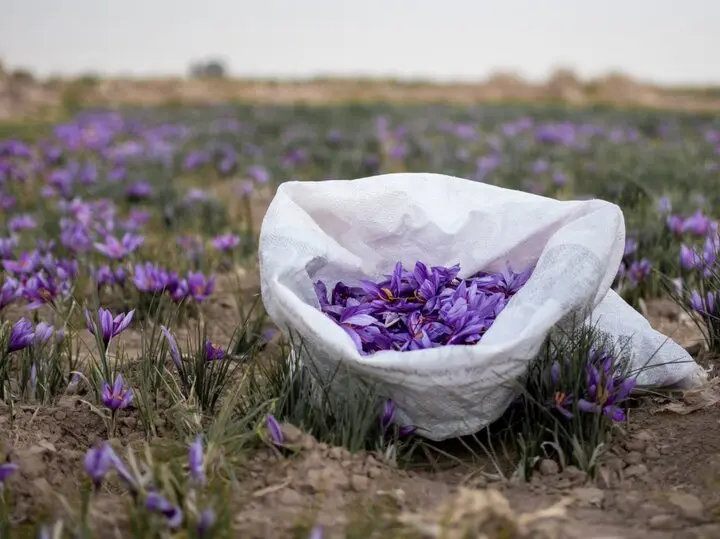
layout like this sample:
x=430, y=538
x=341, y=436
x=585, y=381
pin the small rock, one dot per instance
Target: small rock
x=643, y=436
x=289, y=497
x=338, y=453
x=689, y=505
x=633, y=458
x=291, y=433
x=574, y=473
x=615, y=464
x=662, y=522
x=359, y=483
x=60, y=415
x=665, y=449
x=588, y=496
x=636, y=445
x=636, y=470
x=548, y=467
x=652, y=453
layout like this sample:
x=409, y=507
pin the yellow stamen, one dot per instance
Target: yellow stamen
x=388, y=293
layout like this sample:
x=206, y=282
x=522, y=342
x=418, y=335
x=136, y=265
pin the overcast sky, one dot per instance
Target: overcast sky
x=667, y=41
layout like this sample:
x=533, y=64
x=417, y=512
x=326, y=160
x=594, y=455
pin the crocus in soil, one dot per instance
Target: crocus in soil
x=9, y=292
x=156, y=503
x=119, y=249
x=6, y=470
x=108, y=326
x=225, y=242
x=213, y=351
x=274, y=430
x=116, y=396
x=22, y=334
x=172, y=344
x=199, y=286
x=97, y=463
x=205, y=522
x=196, y=461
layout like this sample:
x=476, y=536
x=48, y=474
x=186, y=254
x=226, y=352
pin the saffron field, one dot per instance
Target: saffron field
x=145, y=393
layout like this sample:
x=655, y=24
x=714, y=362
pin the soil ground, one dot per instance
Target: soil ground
x=661, y=479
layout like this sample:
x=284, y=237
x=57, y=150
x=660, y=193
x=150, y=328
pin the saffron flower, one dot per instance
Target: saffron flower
x=225, y=242
x=274, y=430
x=606, y=389
x=172, y=344
x=21, y=335
x=213, y=351
x=97, y=463
x=205, y=522
x=422, y=308
x=109, y=327
x=117, y=396
x=6, y=470
x=156, y=503
x=196, y=461
x=9, y=292
x=199, y=286
x=119, y=249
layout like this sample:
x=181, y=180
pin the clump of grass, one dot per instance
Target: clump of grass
x=336, y=408
x=574, y=395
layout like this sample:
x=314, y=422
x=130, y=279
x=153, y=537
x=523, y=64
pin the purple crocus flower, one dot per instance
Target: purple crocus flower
x=638, y=272
x=157, y=503
x=150, y=278
x=606, y=389
x=274, y=430
x=6, y=470
x=205, y=522
x=664, y=205
x=213, y=352
x=119, y=249
x=259, y=174
x=199, y=286
x=172, y=344
x=97, y=463
x=43, y=333
x=7, y=246
x=706, y=306
x=109, y=327
x=196, y=461
x=225, y=242
x=117, y=396
x=139, y=191
x=21, y=222
x=9, y=292
x=697, y=224
x=24, y=265
x=21, y=335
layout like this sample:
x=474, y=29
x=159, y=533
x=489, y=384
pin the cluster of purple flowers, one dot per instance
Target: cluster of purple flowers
x=423, y=308
x=99, y=460
x=23, y=334
x=152, y=279
x=606, y=387
x=38, y=278
x=633, y=271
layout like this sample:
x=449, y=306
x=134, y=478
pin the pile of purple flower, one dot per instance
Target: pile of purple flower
x=422, y=308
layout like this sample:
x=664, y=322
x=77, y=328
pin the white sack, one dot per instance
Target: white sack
x=352, y=230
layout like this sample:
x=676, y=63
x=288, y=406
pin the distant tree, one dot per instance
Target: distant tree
x=22, y=76
x=209, y=69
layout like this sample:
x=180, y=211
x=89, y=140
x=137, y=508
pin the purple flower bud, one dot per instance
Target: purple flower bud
x=117, y=396
x=156, y=503
x=196, y=461
x=205, y=522
x=109, y=327
x=274, y=430
x=97, y=463
x=6, y=470
x=213, y=351
x=21, y=335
